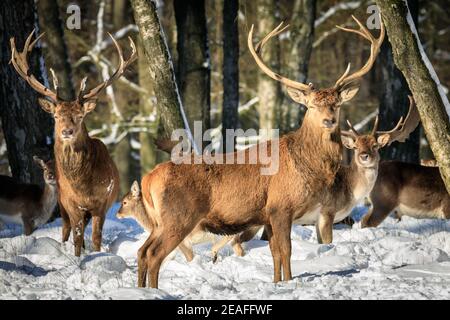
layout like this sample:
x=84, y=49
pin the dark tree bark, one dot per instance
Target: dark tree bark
x=56, y=50
x=300, y=44
x=230, y=116
x=394, y=101
x=27, y=128
x=193, y=72
x=160, y=67
x=408, y=58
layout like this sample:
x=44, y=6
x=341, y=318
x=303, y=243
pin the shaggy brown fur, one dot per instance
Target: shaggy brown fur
x=88, y=180
x=407, y=189
x=28, y=203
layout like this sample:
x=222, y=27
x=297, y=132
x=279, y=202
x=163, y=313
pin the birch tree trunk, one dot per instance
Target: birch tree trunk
x=193, y=73
x=269, y=90
x=159, y=65
x=56, y=50
x=410, y=60
x=27, y=128
x=394, y=102
x=230, y=116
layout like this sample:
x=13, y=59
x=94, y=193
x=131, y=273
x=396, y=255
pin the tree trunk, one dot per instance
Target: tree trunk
x=430, y=102
x=269, y=90
x=300, y=44
x=160, y=67
x=394, y=102
x=27, y=128
x=230, y=116
x=193, y=73
x=56, y=50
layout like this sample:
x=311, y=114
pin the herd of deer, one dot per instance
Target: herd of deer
x=180, y=203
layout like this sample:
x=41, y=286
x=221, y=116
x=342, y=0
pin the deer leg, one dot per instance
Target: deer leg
x=97, y=227
x=219, y=245
x=324, y=227
x=27, y=226
x=78, y=234
x=276, y=254
x=158, y=250
x=281, y=232
x=142, y=259
x=186, y=249
x=377, y=214
x=66, y=228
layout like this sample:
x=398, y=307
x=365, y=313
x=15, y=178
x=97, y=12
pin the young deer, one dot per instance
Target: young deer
x=228, y=199
x=87, y=178
x=28, y=204
x=132, y=206
x=407, y=189
x=352, y=183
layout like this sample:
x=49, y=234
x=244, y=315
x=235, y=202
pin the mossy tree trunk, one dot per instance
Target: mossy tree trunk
x=27, y=128
x=193, y=72
x=269, y=90
x=159, y=65
x=408, y=58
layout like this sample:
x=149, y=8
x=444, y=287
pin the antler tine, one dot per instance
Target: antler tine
x=352, y=128
x=20, y=64
x=55, y=80
x=374, y=50
x=120, y=69
x=271, y=34
x=404, y=128
x=375, y=126
x=256, y=55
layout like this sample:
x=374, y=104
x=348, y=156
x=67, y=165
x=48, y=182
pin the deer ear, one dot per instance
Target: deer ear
x=348, y=92
x=383, y=140
x=348, y=142
x=47, y=105
x=135, y=190
x=298, y=96
x=89, y=106
x=39, y=161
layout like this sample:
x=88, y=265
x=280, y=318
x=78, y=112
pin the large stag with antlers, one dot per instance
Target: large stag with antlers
x=227, y=199
x=87, y=178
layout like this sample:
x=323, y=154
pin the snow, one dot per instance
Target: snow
x=397, y=260
x=428, y=63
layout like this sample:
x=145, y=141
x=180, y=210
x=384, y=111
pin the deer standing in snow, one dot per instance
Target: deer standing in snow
x=87, y=178
x=228, y=199
x=29, y=204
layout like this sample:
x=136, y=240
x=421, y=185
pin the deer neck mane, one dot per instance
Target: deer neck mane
x=75, y=156
x=361, y=179
x=49, y=198
x=316, y=152
x=142, y=217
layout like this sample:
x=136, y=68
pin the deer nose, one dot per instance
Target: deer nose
x=364, y=157
x=329, y=123
x=67, y=132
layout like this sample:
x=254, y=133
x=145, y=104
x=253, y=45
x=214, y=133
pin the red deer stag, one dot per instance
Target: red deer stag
x=29, y=204
x=228, y=199
x=352, y=183
x=87, y=177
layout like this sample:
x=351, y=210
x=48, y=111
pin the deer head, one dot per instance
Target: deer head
x=68, y=115
x=48, y=169
x=131, y=203
x=323, y=104
x=366, y=146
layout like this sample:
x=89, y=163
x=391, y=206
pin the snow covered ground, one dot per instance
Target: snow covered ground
x=405, y=260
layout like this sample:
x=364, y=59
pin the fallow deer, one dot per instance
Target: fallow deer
x=87, y=178
x=228, y=199
x=352, y=183
x=407, y=189
x=29, y=204
x=132, y=206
